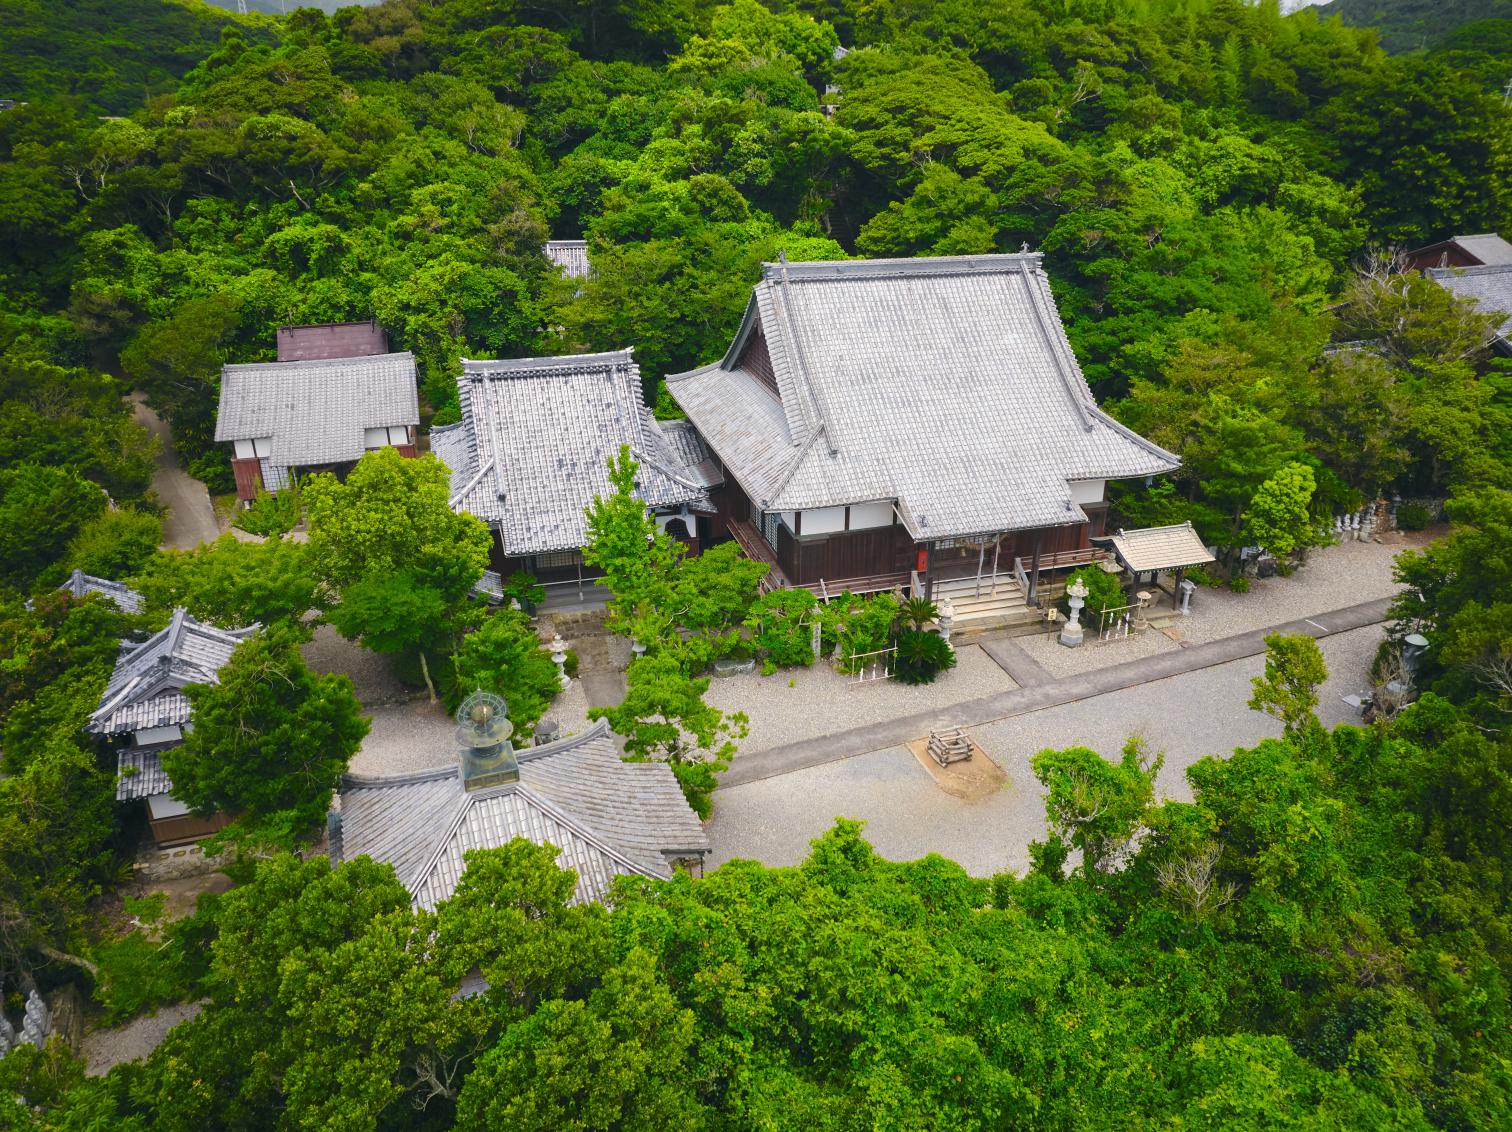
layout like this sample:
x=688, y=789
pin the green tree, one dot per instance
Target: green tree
x=270, y=739
x=1097, y=806
x=390, y=515
x=114, y=544
x=664, y=718
x=1294, y=670
x=1279, y=516
x=233, y=583
x=620, y=1059
x=41, y=509
x=505, y=656
x=399, y=559
x=623, y=542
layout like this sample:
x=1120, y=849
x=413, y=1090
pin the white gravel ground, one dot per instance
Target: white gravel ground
x=820, y=701
x=1334, y=577
x=1189, y=717
x=105, y=1049
x=406, y=737
x=371, y=674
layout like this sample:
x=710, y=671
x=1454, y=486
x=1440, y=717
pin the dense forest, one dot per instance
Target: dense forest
x=1412, y=25
x=1320, y=938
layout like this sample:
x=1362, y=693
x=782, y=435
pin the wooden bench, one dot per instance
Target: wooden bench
x=949, y=745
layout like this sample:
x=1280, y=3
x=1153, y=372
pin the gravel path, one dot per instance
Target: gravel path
x=105, y=1049
x=191, y=518
x=1189, y=716
x=1334, y=577
x=820, y=701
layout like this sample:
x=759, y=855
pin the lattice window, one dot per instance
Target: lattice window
x=558, y=558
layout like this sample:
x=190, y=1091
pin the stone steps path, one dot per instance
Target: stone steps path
x=774, y=761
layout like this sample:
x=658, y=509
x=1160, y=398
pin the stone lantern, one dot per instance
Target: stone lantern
x=559, y=658
x=1076, y=594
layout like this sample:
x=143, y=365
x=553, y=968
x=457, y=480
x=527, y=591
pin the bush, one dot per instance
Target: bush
x=504, y=656
x=523, y=588
x=921, y=657
x=1413, y=517
x=570, y=665
x=1239, y=584
x=1103, y=593
x=213, y=469
x=115, y=544
x=1200, y=577
x=270, y=515
x=859, y=626
x=782, y=630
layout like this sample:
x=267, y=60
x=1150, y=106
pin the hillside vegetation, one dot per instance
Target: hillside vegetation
x=1412, y=25
x=1318, y=938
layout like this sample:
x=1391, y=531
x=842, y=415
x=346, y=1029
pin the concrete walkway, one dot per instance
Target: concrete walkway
x=191, y=518
x=1012, y=659
x=774, y=761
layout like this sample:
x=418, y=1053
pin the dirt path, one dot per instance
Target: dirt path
x=191, y=518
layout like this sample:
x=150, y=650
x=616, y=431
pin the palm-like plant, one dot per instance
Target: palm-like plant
x=919, y=611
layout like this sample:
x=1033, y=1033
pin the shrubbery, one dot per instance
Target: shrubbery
x=1413, y=517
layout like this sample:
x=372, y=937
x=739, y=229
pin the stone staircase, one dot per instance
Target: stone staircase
x=998, y=606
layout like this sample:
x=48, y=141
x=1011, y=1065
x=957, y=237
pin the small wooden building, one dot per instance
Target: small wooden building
x=532, y=449
x=334, y=393
x=144, y=712
x=909, y=423
x=1484, y=250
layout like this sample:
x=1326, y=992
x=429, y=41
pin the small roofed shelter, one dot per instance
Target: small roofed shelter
x=606, y=817
x=533, y=447
x=910, y=422
x=1484, y=250
x=81, y=584
x=144, y=712
x=316, y=413
x=1149, y=551
x=1488, y=287
x=571, y=256
x=325, y=340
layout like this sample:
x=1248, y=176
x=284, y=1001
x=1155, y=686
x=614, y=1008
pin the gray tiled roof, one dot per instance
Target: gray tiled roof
x=945, y=383
x=81, y=584
x=1490, y=288
x=141, y=774
x=608, y=817
x=1160, y=548
x=571, y=256
x=316, y=411
x=1488, y=247
x=144, y=690
x=531, y=450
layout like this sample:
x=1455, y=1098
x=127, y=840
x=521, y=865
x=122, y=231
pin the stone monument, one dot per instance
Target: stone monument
x=1071, y=632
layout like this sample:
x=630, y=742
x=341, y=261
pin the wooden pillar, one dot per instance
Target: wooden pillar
x=1033, y=595
x=1176, y=588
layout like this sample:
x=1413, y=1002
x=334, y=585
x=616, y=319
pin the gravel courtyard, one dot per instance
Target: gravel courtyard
x=1189, y=717
x=1334, y=577
x=821, y=701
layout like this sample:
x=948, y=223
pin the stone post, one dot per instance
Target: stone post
x=1187, y=588
x=559, y=658
x=946, y=618
x=1076, y=595
x=38, y=1021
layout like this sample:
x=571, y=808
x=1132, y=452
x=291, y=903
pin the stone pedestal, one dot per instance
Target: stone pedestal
x=1076, y=597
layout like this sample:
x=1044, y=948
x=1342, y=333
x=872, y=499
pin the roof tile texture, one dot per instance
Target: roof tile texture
x=945, y=383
